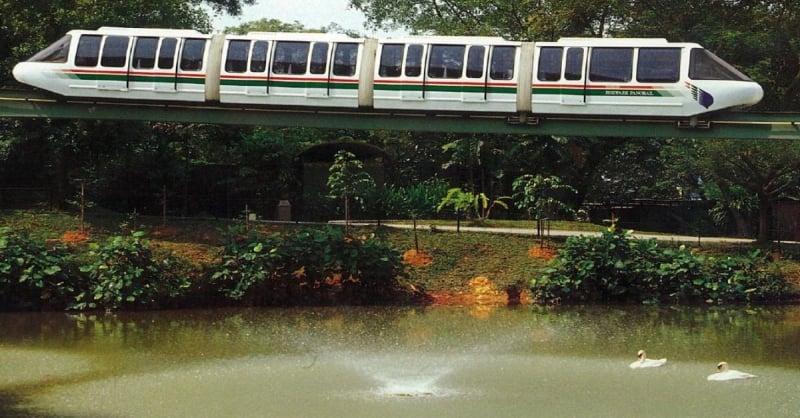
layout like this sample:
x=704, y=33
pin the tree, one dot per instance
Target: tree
x=348, y=181
x=269, y=25
x=765, y=169
x=544, y=20
x=537, y=195
x=231, y=7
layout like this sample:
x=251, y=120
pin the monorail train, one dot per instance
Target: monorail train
x=428, y=74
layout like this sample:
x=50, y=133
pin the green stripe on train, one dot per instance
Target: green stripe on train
x=606, y=92
x=446, y=89
x=289, y=84
x=122, y=78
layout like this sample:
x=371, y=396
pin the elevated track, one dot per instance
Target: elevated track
x=742, y=125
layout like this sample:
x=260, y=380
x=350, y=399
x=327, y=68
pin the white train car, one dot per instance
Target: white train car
x=584, y=77
x=451, y=74
x=635, y=77
x=291, y=69
x=124, y=64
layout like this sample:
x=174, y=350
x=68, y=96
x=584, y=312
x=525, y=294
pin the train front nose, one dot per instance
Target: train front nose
x=752, y=94
x=20, y=73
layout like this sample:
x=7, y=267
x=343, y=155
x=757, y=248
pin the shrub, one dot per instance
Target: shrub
x=615, y=268
x=125, y=274
x=33, y=275
x=313, y=266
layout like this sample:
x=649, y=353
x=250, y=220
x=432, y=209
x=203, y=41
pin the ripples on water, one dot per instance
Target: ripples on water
x=384, y=362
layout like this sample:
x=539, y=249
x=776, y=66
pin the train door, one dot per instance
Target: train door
x=318, y=83
x=113, y=76
x=190, y=73
x=343, y=75
x=412, y=69
x=389, y=85
x=475, y=91
x=574, y=92
x=87, y=58
x=287, y=79
x=259, y=85
x=152, y=66
x=444, y=78
x=502, y=78
x=167, y=64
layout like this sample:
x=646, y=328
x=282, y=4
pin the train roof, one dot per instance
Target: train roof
x=114, y=30
x=299, y=36
x=633, y=42
x=471, y=40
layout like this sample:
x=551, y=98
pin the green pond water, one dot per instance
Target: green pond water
x=401, y=362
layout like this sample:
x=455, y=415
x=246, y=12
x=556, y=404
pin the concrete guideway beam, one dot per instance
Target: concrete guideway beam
x=733, y=125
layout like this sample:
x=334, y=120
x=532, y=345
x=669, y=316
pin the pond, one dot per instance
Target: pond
x=400, y=362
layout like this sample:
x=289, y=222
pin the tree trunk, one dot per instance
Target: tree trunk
x=764, y=217
x=742, y=224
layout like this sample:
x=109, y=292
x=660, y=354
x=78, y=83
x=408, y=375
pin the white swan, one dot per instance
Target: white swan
x=723, y=373
x=643, y=362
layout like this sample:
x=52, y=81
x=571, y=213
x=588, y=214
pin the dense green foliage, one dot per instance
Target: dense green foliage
x=315, y=266
x=33, y=275
x=196, y=266
x=126, y=274
x=414, y=201
x=615, y=268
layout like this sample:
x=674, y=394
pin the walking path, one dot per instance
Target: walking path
x=562, y=233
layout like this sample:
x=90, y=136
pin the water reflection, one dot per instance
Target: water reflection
x=559, y=361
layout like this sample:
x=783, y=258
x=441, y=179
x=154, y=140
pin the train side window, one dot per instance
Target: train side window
x=144, y=53
x=502, y=67
x=573, y=68
x=88, y=52
x=611, y=64
x=550, y=63
x=446, y=61
x=414, y=60
x=475, y=57
x=192, y=55
x=704, y=65
x=391, y=60
x=258, y=57
x=56, y=52
x=658, y=65
x=319, y=58
x=344, y=59
x=166, y=55
x=236, y=61
x=115, y=51
x=290, y=58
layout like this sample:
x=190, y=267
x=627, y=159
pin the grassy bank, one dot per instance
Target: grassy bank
x=455, y=267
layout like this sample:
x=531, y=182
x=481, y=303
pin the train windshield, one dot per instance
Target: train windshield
x=56, y=52
x=704, y=65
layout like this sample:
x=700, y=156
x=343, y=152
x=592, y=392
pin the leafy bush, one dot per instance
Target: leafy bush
x=125, y=274
x=33, y=275
x=414, y=201
x=615, y=268
x=308, y=267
